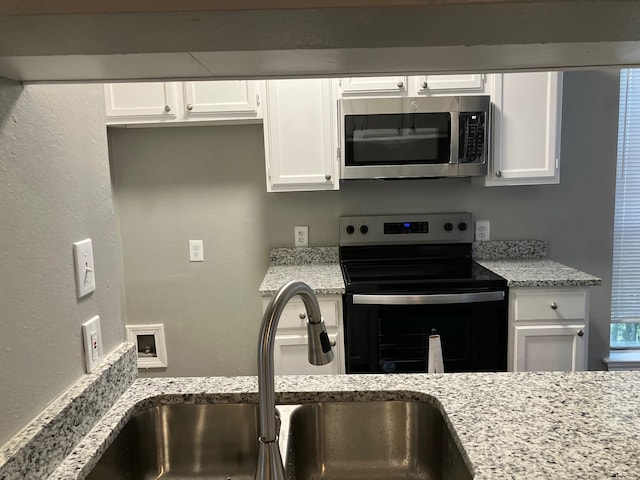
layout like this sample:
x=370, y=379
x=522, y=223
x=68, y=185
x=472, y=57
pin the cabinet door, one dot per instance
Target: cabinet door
x=150, y=100
x=291, y=356
x=300, y=135
x=450, y=84
x=549, y=348
x=233, y=98
x=526, y=129
x=374, y=85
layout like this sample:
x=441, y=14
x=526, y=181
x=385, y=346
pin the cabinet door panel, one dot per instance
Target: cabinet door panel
x=221, y=97
x=291, y=356
x=450, y=83
x=146, y=99
x=300, y=135
x=549, y=348
x=372, y=85
x=526, y=128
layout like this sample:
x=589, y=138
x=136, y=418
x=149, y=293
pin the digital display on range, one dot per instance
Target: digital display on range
x=397, y=228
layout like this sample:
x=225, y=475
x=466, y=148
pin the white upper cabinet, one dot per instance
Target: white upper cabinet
x=527, y=112
x=300, y=135
x=446, y=84
x=374, y=86
x=153, y=103
x=221, y=98
x=145, y=100
x=468, y=84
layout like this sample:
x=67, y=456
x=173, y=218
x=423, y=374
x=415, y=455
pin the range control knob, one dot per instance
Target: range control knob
x=462, y=226
x=448, y=226
x=364, y=229
x=350, y=229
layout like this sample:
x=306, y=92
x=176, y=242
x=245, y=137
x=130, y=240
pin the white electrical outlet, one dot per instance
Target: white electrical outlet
x=301, y=238
x=196, y=251
x=85, y=273
x=483, y=230
x=92, y=338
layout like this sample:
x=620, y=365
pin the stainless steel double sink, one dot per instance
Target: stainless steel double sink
x=327, y=440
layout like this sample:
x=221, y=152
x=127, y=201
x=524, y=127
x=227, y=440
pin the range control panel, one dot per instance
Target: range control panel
x=410, y=228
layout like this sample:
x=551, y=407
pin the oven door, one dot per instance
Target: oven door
x=390, y=333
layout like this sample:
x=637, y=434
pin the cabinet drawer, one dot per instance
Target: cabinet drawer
x=550, y=305
x=291, y=315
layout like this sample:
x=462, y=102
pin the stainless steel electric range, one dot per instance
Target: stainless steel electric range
x=411, y=276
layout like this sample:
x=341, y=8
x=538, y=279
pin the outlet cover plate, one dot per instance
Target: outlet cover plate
x=483, y=230
x=92, y=338
x=196, y=251
x=301, y=235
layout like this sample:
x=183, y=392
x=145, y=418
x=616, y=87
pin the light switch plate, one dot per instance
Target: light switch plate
x=92, y=338
x=85, y=272
x=483, y=230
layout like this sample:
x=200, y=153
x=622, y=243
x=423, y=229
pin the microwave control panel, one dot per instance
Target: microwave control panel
x=471, y=147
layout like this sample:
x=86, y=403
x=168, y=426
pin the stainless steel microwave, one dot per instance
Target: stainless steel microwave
x=413, y=137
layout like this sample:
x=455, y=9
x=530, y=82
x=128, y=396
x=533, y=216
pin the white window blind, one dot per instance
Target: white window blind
x=625, y=300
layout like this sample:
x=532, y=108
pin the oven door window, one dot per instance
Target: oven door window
x=397, y=139
x=395, y=339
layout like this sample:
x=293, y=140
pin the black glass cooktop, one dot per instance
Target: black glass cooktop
x=415, y=268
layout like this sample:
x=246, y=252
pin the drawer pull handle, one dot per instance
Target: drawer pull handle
x=302, y=316
x=581, y=333
x=333, y=343
x=554, y=305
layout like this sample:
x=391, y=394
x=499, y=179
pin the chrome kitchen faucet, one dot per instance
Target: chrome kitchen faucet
x=270, y=465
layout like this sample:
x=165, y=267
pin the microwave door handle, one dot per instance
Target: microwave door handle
x=434, y=299
x=455, y=136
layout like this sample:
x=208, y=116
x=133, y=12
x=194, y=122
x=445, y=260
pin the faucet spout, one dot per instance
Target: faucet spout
x=270, y=465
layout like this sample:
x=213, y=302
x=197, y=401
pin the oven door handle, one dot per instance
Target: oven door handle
x=431, y=299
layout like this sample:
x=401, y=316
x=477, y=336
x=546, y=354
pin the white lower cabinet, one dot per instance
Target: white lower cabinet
x=549, y=348
x=290, y=348
x=291, y=356
x=548, y=329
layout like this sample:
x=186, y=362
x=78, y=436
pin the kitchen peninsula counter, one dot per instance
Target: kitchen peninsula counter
x=510, y=425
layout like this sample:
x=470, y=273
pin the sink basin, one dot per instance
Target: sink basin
x=329, y=440
x=216, y=441
x=372, y=440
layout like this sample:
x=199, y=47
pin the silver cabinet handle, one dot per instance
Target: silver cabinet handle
x=302, y=316
x=400, y=84
x=425, y=85
x=498, y=173
x=554, y=305
x=189, y=106
x=327, y=177
x=437, y=299
x=333, y=343
x=167, y=108
x=581, y=333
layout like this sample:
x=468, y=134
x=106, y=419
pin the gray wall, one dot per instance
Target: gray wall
x=177, y=184
x=54, y=190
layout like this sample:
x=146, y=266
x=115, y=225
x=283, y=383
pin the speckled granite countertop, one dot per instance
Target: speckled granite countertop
x=318, y=267
x=539, y=273
x=510, y=425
